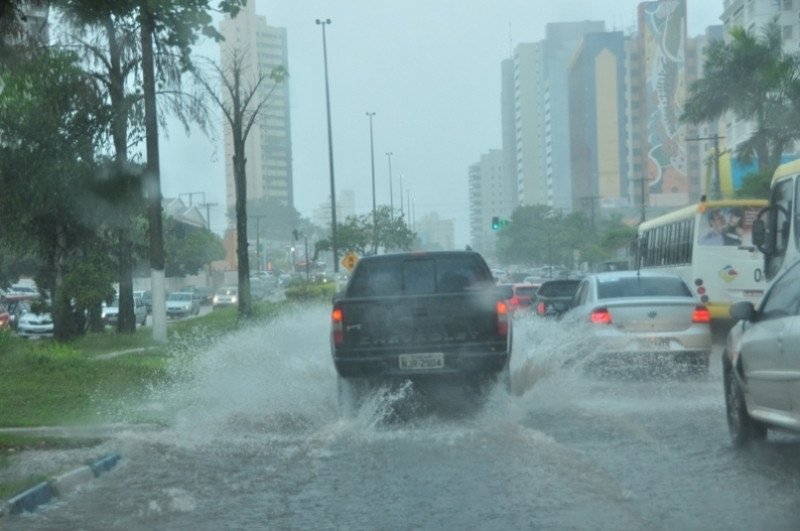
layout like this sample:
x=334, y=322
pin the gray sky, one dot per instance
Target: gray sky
x=429, y=69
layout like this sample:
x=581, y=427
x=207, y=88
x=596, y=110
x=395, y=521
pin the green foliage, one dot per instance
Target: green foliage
x=277, y=220
x=305, y=292
x=359, y=234
x=756, y=185
x=189, y=248
x=537, y=234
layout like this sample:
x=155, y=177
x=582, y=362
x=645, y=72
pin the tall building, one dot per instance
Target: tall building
x=345, y=208
x=657, y=94
x=489, y=196
x=528, y=123
x=560, y=43
x=699, y=138
x=434, y=233
x=508, y=123
x=597, y=120
x=269, y=145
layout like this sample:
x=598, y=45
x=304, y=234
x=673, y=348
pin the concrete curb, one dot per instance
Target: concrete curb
x=61, y=485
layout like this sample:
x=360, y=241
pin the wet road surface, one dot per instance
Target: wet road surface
x=255, y=441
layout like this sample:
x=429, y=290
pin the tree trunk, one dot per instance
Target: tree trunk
x=242, y=254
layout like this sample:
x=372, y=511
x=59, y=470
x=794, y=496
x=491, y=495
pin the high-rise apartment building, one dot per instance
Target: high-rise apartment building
x=528, y=124
x=269, y=145
x=598, y=127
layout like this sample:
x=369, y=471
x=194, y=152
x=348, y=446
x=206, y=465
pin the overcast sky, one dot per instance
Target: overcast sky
x=429, y=69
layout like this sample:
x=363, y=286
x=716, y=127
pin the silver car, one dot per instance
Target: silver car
x=182, y=304
x=761, y=362
x=110, y=312
x=632, y=318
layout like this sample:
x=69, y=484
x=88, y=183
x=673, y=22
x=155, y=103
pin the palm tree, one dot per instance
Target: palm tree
x=752, y=78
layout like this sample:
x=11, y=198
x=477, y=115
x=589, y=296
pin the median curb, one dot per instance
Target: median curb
x=29, y=500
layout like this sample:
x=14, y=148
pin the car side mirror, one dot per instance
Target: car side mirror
x=743, y=311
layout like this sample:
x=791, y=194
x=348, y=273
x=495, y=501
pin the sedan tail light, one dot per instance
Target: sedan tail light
x=513, y=302
x=540, y=308
x=501, y=309
x=701, y=315
x=600, y=316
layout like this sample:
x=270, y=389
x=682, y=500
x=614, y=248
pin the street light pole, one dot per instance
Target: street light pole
x=391, y=189
x=324, y=23
x=374, y=210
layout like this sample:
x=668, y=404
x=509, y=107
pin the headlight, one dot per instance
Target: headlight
x=215, y=299
x=233, y=299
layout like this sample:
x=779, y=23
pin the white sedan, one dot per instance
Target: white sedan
x=35, y=325
x=629, y=317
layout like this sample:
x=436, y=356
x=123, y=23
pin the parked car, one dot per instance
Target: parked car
x=522, y=297
x=17, y=307
x=553, y=297
x=226, y=296
x=110, y=312
x=147, y=298
x=761, y=362
x=181, y=304
x=35, y=325
x=638, y=319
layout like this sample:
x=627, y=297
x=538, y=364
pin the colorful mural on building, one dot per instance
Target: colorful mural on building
x=663, y=29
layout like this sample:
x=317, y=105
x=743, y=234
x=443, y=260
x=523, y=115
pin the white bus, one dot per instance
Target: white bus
x=776, y=232
x=710, y=245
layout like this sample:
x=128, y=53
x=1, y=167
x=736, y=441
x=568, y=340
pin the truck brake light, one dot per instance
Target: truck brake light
x=337, y=326
x=501, y=309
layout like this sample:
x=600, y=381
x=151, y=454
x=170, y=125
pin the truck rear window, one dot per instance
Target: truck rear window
x=417, y=276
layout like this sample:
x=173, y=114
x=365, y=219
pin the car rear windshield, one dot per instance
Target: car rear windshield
x=615, y=288
x=525, y=292
x=558, y=289
x=418, y=276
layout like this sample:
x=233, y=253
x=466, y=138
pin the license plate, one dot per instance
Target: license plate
x=656, y=343
x=428, y=360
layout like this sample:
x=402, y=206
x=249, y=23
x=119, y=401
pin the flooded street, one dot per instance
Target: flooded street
x=254, y=441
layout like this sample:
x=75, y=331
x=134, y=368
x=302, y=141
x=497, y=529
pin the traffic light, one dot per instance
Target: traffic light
x=495, y=223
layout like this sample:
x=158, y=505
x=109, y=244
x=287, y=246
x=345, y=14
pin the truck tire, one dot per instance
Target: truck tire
x=350, y=393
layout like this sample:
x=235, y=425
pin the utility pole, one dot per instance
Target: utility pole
x=716, y=188
x=391, y=188
x=208, y=213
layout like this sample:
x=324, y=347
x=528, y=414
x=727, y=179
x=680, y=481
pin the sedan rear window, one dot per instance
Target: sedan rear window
x=565, y=288
x=616, y=288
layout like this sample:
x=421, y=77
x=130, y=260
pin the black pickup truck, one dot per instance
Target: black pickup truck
x=426, y=315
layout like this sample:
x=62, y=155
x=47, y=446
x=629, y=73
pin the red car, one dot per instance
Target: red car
x=5, y=318
x=523, y=296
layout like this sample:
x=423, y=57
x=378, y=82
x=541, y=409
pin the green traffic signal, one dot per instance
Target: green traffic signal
x=495, y=223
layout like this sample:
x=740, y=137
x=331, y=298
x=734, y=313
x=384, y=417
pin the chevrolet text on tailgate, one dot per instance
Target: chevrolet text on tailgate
x=420, y=315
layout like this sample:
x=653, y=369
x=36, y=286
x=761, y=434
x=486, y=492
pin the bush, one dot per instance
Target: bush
x=311, y=292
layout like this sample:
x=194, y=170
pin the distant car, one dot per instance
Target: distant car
x=18, y=290
x=553, y=297
x=633, y=319
x=182, y=304
x=761, y=362
x=110, y=312
x=203, y=295
x=226, y=296
x=522, y=297
x=35, y=325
